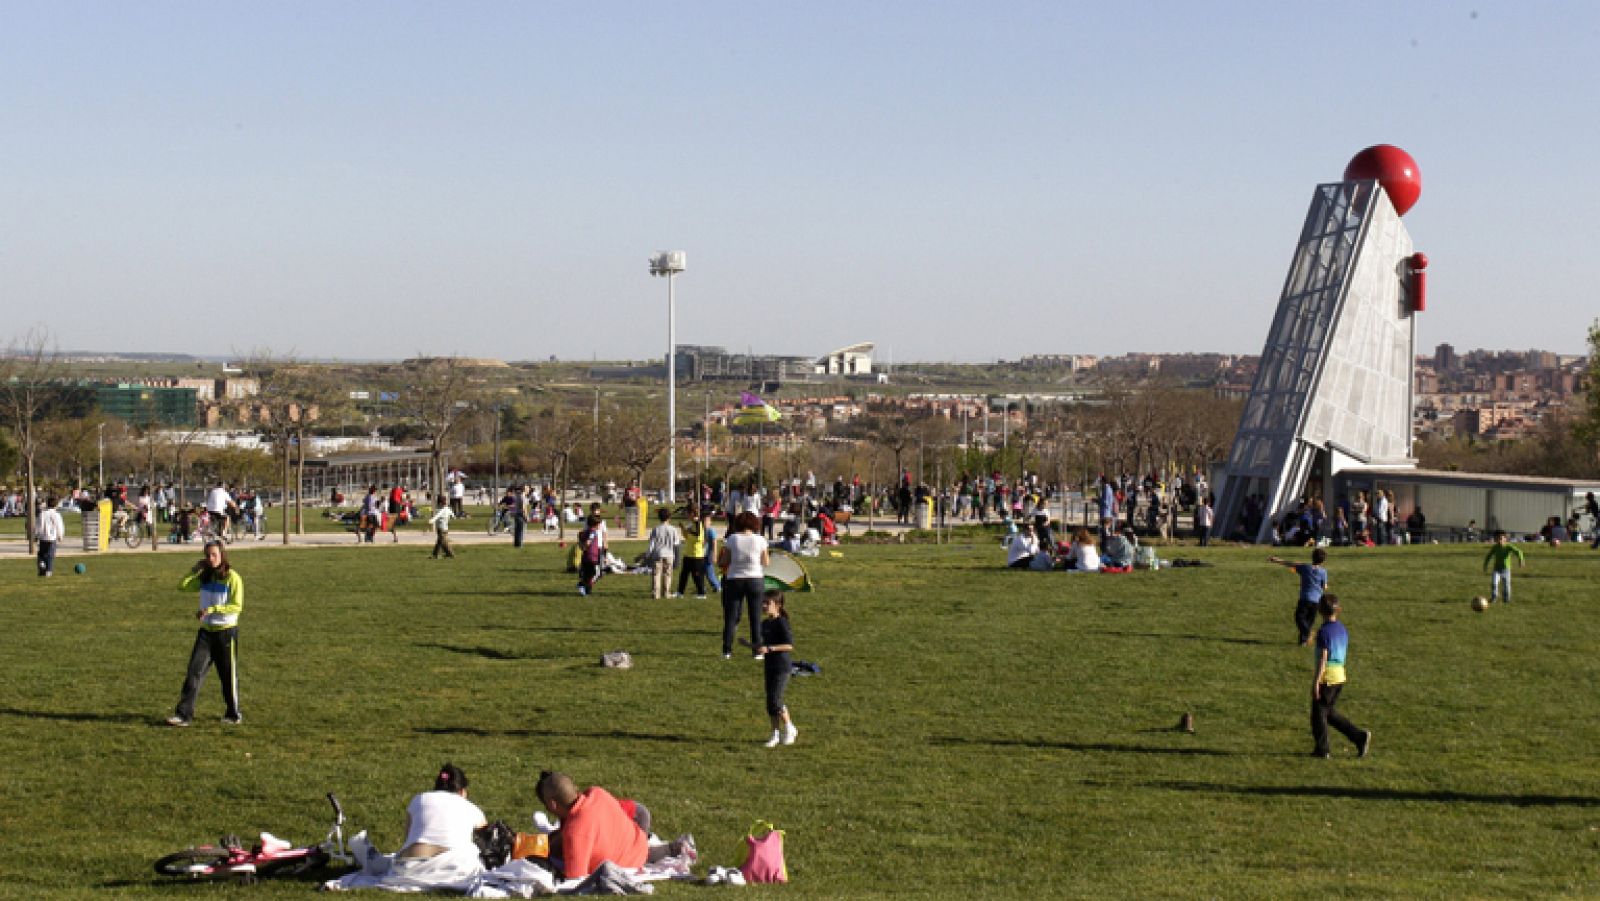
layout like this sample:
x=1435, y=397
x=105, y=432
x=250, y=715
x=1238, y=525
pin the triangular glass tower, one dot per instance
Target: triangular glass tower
x=1334, y=388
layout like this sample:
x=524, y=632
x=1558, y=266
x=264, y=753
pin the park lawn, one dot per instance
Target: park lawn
x=975, y=732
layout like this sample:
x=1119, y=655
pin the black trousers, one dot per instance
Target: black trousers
x=775, y=678
x=1324, y=715
x=696, y=567
x=1205, y=535
x=219, y=646
x=1305, y=616
x=519, y=527
x=47, y=557
x=735, y=592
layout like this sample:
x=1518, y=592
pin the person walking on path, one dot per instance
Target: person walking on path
x=1313, y=582
x=397, y=507
x=519, y=515
x=744, y=561
x=221, y=601
x=662, y=554
x=50, y=530
x=1499, y=555
x=442, y=515
x=1328, y=680
x=371, y=515
x=777, y=642
x=1202, y=521
x=1591, y=508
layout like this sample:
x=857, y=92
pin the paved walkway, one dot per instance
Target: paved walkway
x=465, y=534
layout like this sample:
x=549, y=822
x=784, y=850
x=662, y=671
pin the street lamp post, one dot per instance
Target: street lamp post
x=102, y=445
x=669, y=263
x=496, y=491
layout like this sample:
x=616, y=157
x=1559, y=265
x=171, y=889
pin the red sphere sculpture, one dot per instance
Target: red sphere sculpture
x=1393, y=168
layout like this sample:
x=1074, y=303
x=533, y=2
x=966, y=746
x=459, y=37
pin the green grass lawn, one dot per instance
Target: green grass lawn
x=975, y=732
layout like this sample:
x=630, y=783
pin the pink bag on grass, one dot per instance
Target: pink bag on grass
x=765, y=861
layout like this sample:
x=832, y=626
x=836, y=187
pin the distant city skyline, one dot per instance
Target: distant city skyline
x=961, y=183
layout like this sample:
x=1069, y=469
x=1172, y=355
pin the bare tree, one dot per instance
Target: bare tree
x=634, y=438
x=437, y=395
x=28, y=372
x=897, y=434
x=290, y=396
x=558, y=440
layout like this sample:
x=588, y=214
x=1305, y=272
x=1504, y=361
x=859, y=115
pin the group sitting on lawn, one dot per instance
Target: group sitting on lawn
x=448, y=845
x=1033, y=546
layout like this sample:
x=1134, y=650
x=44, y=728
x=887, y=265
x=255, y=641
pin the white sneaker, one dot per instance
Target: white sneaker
x=761, y=656
x=789, y=734
x=776, y=737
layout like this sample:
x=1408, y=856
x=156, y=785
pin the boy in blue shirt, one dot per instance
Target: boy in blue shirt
x=1333, y=645
x=1313, y=582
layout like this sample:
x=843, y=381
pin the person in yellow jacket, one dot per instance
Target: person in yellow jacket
x=221, y=600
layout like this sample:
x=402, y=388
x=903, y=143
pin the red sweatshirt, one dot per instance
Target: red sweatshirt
x=597, y=829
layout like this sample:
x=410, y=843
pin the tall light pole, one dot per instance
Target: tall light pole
x=102, y=444
x=669, y=263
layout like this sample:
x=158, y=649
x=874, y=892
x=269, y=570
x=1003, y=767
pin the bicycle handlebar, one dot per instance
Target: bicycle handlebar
x=338, y=812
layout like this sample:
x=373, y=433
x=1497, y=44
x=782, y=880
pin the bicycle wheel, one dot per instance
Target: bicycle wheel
x=192, y=862
x=314, y=858
x=494, y=525
x=134, y=536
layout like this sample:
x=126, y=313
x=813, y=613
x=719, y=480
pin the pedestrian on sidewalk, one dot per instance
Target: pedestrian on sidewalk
x=442, y=515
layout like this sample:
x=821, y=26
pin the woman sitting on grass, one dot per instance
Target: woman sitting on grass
x=439, y=852
x=1085, y=557
x=1023, y=548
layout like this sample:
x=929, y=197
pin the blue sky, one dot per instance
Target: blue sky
x=955, y=181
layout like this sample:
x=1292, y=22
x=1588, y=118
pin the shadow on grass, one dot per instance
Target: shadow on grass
x=713, y=629
x=70, y=717
x=492, y=653
x=1379, y=794
x=1107, y=747
x=551, y=733
x=1183, y=637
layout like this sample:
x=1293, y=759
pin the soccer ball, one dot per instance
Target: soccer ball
x=80, y=569
x=1480, y=603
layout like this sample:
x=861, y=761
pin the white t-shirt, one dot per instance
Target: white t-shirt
x=443, y=818
x=1023, y=544
x=217, y=500
x=744, y=555
x=50, y=526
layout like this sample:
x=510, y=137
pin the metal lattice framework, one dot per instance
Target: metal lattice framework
x=1336, y=368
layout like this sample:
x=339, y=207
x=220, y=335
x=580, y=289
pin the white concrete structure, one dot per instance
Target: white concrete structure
x=1333, y=391
x=855, y=359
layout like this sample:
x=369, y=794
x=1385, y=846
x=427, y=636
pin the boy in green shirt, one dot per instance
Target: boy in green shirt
x=1500, y=554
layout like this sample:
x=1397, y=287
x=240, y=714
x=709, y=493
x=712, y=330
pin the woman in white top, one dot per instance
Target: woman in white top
x=1023, y=548
x=743, y=560
x=1085, y=557
x=441, y=821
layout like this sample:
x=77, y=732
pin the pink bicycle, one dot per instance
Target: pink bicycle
x=268, y=858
